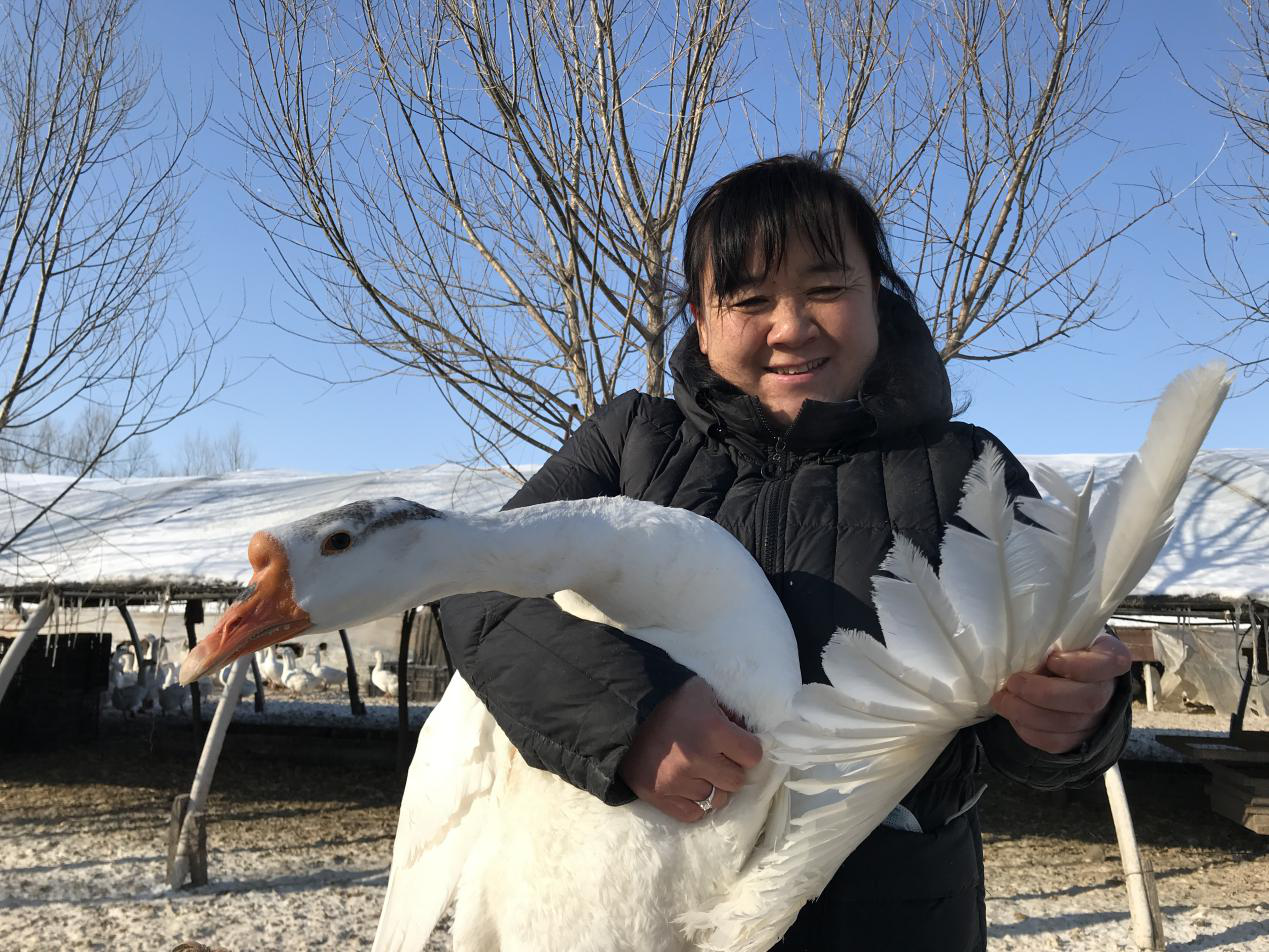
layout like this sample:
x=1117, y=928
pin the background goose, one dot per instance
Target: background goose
x=383, y=679
x=476, y=820
x=173, y=696
x=270, y=667
x=328, y=676
x=245, y=692
x=294, y=678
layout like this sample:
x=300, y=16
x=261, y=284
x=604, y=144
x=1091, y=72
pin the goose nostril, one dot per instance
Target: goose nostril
x=262, y=551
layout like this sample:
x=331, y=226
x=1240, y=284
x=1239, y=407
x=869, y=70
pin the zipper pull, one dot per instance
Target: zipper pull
x=773, y=468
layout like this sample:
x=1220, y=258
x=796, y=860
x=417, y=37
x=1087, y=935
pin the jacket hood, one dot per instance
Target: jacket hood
x=906, y=386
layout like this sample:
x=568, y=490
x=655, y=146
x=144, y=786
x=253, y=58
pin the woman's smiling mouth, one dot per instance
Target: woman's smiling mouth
x=799, y=370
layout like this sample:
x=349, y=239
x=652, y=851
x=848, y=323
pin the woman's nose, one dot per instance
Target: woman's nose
x=791, y=322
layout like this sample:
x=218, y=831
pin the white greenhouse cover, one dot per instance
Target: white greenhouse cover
x=110, y=533
x=159, y=531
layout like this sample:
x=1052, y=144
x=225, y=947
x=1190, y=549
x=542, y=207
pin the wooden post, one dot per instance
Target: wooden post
x=187, y=839
x=22, y=643
x=1150, y=677
x=1152, y=899
x=194, y=616
x=354, y=696
x=403, y=693
x=197, y=851
x=1147, y=929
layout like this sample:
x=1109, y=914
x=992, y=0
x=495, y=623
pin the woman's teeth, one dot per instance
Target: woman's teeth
x=800, y=368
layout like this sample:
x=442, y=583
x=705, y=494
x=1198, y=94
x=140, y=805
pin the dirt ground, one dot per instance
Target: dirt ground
x=299, y=856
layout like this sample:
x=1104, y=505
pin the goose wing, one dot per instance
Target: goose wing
x=1006, y=593
x=860, y=743
x=442, y=811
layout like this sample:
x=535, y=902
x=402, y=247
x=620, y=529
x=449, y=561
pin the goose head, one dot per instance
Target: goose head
x=333, y=570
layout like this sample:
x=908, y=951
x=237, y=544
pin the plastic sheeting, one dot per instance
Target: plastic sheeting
x=1206, y=665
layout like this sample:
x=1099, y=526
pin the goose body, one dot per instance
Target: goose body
x=328, y=676
x=245, y=692
x=385, y=680
x=270, y=667
x=294, y=678
x=173, y=696
x=536, y=864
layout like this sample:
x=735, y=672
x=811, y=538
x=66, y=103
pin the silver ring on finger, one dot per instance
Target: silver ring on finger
x=707, y=805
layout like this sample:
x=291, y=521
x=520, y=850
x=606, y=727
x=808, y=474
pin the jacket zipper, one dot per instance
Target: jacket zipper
x=775, y=480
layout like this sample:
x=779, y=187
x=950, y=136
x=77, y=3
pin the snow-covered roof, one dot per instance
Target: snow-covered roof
x=1220, y=546
x=190, y=534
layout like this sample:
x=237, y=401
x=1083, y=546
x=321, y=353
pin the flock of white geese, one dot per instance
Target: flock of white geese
x=533, y=863
x=156, y=679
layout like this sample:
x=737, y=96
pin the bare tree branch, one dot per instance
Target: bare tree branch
x=961, y=129
x=1232, y=276
x=486, y=194
x=91, y=202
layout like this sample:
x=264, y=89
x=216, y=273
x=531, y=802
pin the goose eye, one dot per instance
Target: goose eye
x=336, y=542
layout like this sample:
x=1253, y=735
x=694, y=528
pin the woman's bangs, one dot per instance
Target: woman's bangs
x=751, y=233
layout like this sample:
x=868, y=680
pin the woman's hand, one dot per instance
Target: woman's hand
x=1062, y=705
x=687, y=744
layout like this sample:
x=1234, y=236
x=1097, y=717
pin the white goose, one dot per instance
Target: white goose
x=479, y=823
x=329, y=676
x=385, y=680
x=294, y=678
x=245, y=693
x=270, y=667
x=173, y=696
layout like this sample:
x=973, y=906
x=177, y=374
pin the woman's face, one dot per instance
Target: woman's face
x=806, y=330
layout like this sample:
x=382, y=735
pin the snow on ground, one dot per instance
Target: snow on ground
x=299, y=852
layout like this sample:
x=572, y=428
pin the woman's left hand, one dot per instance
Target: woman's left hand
x=1059, y=707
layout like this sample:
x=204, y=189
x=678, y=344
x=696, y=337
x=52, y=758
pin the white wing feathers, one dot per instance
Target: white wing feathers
x=446, y=794
x=1133, y=517
x=1006, y=593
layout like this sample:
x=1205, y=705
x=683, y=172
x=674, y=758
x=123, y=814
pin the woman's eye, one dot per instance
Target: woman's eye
x=748, y=303
x=827, y=291
x=336, y=542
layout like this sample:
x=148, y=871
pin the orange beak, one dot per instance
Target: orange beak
x=263, y=615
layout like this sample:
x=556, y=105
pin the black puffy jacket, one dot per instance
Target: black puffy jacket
x=818, y=506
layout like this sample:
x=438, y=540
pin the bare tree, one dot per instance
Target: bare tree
x=962, y=117
x=67, y=449
x=202, y=455
x=1233, y=276
x=488, y=193
x=90, y=242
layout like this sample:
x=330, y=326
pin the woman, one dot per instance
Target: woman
x=811, y=418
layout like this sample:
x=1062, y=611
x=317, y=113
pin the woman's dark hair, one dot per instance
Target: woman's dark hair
x=752, y=212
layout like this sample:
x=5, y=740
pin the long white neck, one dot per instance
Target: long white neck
x=669, y=577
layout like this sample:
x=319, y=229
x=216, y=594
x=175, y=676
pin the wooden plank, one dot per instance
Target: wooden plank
x=1139, y=641
x=1252, y=777
x=1236, y=809
x=1209, y=749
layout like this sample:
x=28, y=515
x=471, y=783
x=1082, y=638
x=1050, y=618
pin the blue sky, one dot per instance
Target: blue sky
x=1085, y=396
